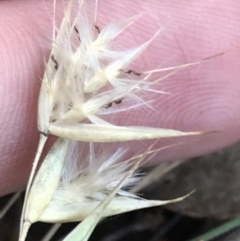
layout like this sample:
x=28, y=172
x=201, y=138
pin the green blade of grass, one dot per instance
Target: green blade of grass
x=220, y=230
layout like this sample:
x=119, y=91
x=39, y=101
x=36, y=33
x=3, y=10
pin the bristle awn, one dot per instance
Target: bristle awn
x=183, y=66
x=83, y=231
x=173, y=70
x=112, y=133
x=153, y=151
x=9, y=204
x=44, y=185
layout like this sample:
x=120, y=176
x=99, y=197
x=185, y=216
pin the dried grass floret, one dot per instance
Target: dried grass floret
x=86, y=183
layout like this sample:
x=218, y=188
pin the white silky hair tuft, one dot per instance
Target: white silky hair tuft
x=85, y=74
x=92, y=177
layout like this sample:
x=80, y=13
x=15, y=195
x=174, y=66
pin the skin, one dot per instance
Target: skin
x=205, y=97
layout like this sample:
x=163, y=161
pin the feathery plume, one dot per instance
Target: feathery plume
x=86, y=183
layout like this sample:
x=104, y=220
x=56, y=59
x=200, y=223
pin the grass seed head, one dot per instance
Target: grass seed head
x=85, y=184
x=85, y=68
